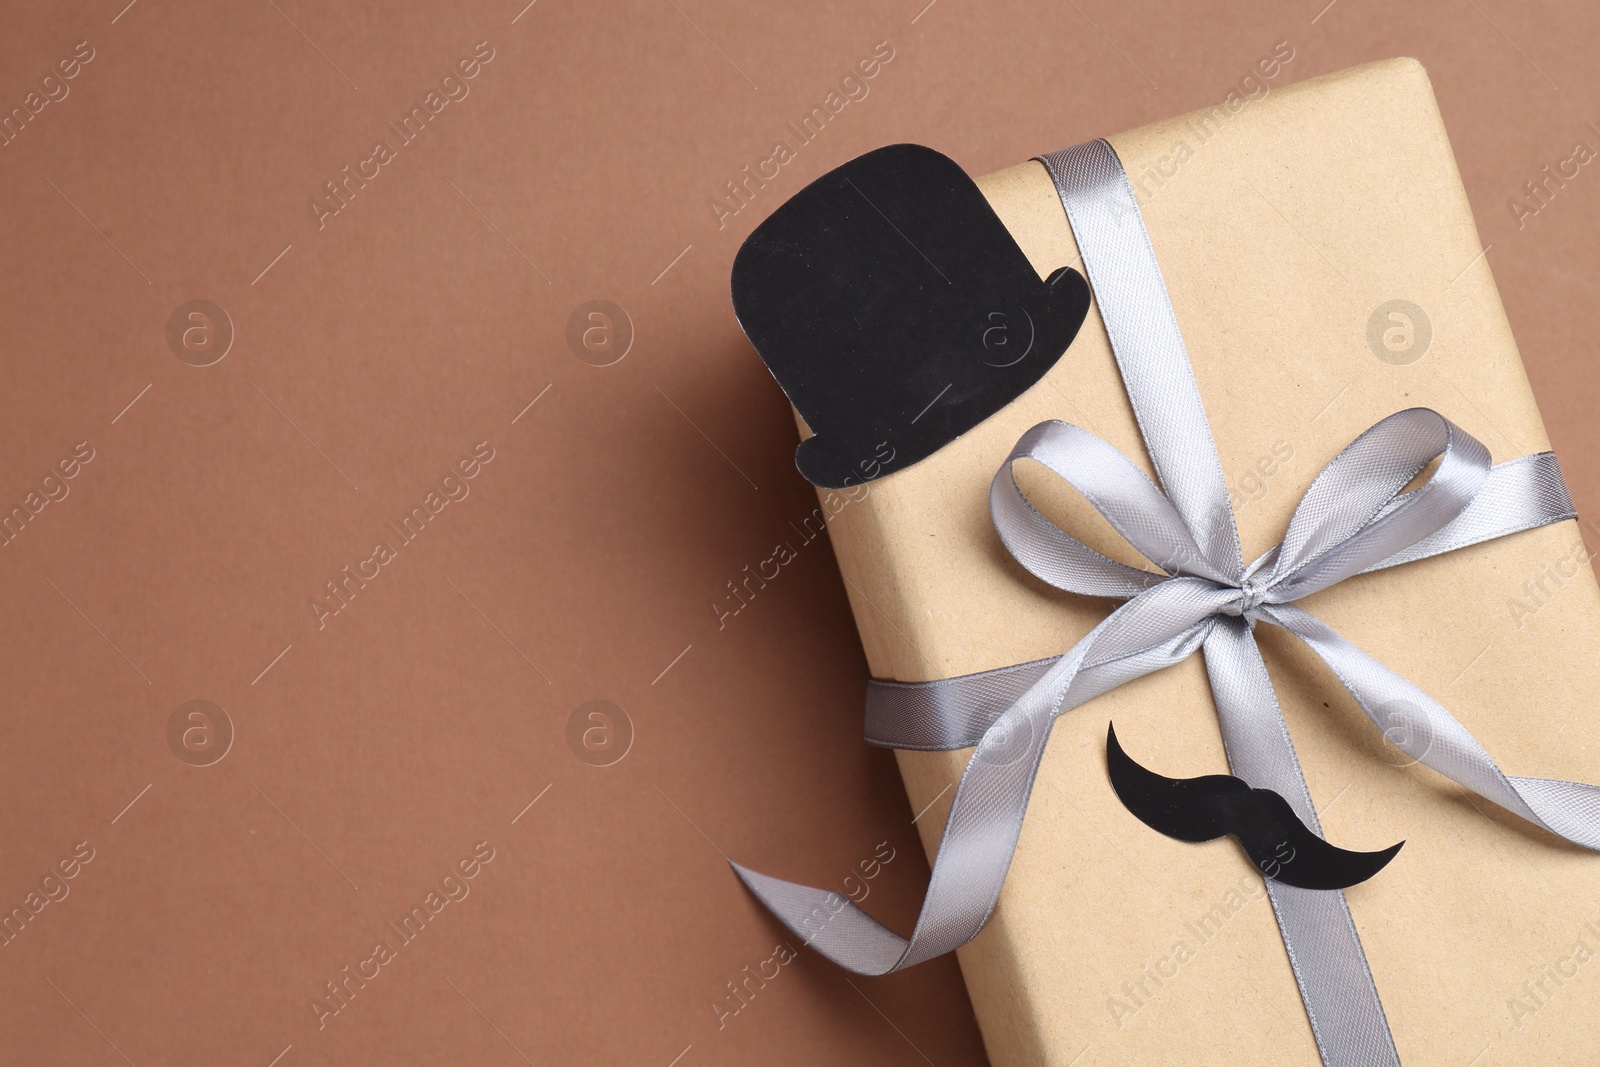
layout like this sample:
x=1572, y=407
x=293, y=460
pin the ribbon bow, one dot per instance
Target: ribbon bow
x=1356, y=517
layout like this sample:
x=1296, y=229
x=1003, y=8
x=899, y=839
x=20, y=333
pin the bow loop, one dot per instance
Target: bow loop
x=1355, y=514
x=1114, y=487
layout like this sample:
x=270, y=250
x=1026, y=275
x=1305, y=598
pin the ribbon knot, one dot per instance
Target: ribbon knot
x=1252, y=594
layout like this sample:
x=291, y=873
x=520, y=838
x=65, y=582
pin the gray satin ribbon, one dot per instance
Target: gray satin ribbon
x=1355, y=517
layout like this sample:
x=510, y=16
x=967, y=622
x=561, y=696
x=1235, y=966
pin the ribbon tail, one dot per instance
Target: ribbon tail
x=829, y=923
x=980, y=837
x=1330, y=967
x=985, y=820
x=1432, y=736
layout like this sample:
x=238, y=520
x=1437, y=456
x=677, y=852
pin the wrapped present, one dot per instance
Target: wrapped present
x=1347, y=353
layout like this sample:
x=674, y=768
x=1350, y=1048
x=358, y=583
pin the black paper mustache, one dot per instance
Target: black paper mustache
x=1206, y=808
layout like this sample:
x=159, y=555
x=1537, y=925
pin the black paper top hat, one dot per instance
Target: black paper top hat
x=896, y=311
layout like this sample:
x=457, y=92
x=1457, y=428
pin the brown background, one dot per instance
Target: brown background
x=374, y=752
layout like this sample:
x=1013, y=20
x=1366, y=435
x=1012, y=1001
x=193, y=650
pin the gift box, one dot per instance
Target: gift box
x=1325, y=271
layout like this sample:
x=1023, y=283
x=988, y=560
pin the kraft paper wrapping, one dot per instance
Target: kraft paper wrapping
x=1285, y=229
